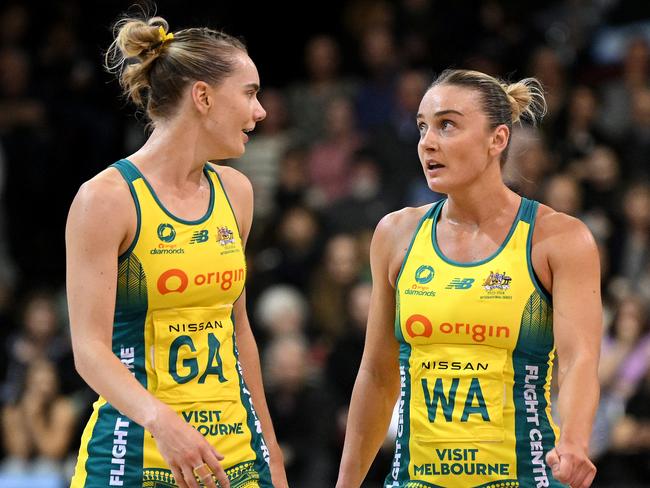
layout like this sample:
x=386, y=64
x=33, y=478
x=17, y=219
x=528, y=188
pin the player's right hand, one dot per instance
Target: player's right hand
x=185, y=449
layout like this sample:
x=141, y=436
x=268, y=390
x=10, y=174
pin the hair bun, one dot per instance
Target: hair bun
x=526, y=98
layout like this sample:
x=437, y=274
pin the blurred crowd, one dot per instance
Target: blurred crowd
x=336, y=152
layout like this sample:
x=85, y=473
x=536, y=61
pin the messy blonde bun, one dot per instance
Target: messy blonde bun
x=154, y=65
x=526, y=98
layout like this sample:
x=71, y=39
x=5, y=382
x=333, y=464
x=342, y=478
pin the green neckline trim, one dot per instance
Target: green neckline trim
x=434, y=239
x=164, y=209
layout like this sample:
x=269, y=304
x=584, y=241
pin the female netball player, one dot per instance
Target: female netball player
x=156, y=271
x=482, y=288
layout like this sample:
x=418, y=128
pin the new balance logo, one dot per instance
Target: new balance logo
x=460, y=284
x=199, y=236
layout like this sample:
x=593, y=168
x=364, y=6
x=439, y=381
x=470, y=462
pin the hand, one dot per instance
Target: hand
x=570, y=464
x=184, y=449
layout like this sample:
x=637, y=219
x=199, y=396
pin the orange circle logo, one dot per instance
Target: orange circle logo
x=163, y=289
x=427, y=328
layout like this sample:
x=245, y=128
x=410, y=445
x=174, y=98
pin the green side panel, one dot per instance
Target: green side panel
x=259, y=467
x=530, y=362
x=131, y=288
x=399, y=473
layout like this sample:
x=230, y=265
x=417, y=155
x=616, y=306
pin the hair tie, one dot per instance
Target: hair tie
x=164, y=36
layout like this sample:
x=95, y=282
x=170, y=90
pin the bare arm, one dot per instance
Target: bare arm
x=241, y=193
x=377, y=385
x=577, y=324
x=97, y=224
x=96, y=227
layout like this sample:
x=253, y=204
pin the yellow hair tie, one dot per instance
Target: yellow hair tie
x=164, y=36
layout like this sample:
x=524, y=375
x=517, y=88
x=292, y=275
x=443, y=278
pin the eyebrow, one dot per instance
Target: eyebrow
x=441, y=113
x=254, y=86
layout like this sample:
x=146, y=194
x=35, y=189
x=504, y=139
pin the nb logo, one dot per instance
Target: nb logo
x=199, y=236
x=460, y=284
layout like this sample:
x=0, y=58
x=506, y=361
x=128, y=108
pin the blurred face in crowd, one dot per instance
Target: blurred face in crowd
x=40, y=319
x=235, y=109
x=342, y=259
x=360, y=304
x=636, y=207
x=322, y=58
x=456, y=143
x=563, y=195
x=42, y=379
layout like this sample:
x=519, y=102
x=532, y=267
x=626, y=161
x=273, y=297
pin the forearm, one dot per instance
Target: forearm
x=371, y=408
x=51, y=440
x=578, y=401
x=106, y=374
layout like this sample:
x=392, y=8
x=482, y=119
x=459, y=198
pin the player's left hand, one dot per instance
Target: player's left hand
x=570, y=464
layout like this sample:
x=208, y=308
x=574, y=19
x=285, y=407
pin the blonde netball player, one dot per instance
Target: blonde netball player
x=156, y=271
x=471, y=298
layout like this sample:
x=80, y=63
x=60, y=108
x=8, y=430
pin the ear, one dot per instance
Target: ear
x=499, y=140
x=201, y=94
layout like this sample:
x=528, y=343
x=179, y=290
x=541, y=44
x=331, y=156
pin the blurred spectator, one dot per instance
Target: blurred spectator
x=293, y=252
x=301, y=411
x=39, y=425
x=627, y=461
x=282, y=312
x=577, y=133
x=619, y=93
x=331, y=283
x=376, y=98
x=308, y=99
x=630, y=243
x=330, y=160
x=365, y=204
x=39, y=337
x=261, y=161
x=528, y=163
x=547, y=67
x=293, y=180
x=394, y=143
x=635, y=142
x=563, y=194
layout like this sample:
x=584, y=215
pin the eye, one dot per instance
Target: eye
x=446, y=124
x=422, y=127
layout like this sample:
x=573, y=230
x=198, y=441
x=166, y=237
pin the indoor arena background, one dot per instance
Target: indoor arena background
x=341, y=82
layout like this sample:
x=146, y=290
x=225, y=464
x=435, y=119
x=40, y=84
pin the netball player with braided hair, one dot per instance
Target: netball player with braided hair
x=156, y=271
x=472, y=297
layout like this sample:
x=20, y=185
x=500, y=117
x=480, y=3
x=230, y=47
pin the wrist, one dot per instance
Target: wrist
x=153, y=416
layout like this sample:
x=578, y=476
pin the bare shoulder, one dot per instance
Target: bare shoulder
x=561, y=234
x=393, y=235
x=233, y=180
x=103, y=201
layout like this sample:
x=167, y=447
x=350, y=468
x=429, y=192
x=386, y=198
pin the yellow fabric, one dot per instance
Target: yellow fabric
x=458, y=325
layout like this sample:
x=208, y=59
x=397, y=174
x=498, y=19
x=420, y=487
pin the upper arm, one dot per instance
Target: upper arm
x=97, y=224
x=381, y=351
x=240, y=193
x=577, y=308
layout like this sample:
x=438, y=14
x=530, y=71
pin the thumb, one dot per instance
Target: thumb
x=553, y=460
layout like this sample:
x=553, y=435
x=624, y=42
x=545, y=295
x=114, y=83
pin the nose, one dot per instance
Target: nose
x=259, y=112
x=428, y=140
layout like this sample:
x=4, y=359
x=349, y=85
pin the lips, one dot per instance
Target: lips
x=433, y=165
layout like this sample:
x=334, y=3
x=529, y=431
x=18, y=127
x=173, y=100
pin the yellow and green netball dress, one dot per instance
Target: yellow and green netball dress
x=174, y=330
x=476, y=347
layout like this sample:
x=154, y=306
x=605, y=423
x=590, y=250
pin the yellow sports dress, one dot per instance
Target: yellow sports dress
x=174, y=330
x=476, y=348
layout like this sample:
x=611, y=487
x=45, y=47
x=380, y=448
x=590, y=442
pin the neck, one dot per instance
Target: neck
x=482, y=201
x=172, y=153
